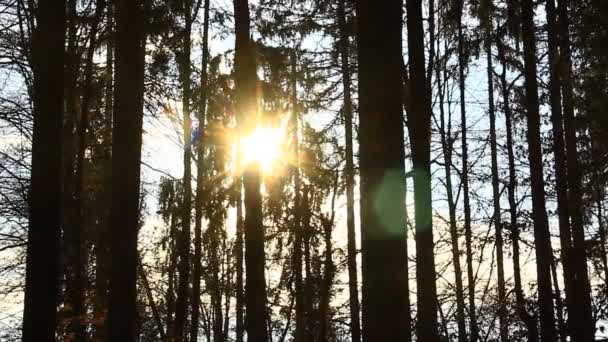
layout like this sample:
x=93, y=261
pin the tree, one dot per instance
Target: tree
x=200, y=174
x=41, y=290
x=544, y=255
x=347, y=111
x=382, y=171
x=126, y=147
x=247, y=115
x=419, y=126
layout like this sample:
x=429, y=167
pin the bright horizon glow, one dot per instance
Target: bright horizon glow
x=263, y=146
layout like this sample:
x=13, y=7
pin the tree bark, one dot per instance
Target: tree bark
x=382, y=171
x=200, y=183
x=583, y=325
x=500, y=268
x=42, y=263
x=247, y=118
x=419, y=125
x=462, y=61
x=297, y=210
x=183, y=61
x=520, y=301
x=349, y=175
x=126, y=146
x=544, y=255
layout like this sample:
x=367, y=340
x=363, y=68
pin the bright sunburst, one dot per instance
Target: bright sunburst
x=264, y=146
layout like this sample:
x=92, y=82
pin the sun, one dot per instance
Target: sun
x=263, y=146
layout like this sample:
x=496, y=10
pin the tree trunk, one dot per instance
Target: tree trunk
x=349, y=176
x=565, y=232
x=523, y=314
x=238, y=245
x=127, y=141
x=462, y=60
x=102, y=255
x=419, y=125
x=500, y=268
x=183, y=62
x=246, y=103
x=42, y=263
x=200, y=182
x=382, y=171
x=72, y=260
x=297, y=210
x=544, y=255
x=583, y=325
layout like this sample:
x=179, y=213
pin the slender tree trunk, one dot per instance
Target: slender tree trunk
x=246, y=100
x=583, y=325
x=200, y=182
x=565, y=232
x=559, y=305
x=528, y=319
x=240, y=324
x=500, y=268
x=328, y=276
x=102, y=255
x=382, y=171
x=446, y=142
x=72, y=260
x=419, y=125
x=184, y=238
x=462, y=64
x=74, y=229
x=543, y=251
x=42, y=263
x=297, y=210
x=150, y=297
x=349, y=175
x=307, y=298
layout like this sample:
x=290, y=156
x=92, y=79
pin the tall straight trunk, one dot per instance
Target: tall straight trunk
x=72, y=260
x=565, y=232
x=42, y=263
x=349, y=175
x=582, y=323
x=382, y=171
x=602, y=231
x=181, y=305
x=238, y=245
x=327, y=222
x=297, y=209
x=544, y=255
x=200, y=182
x=462, y=64
x=307, y=298
x=102, y=254
x=247, y=117
x=500, y=268
x=74, y=228
x=446, y=143
x=520, y=301
x=214, y=283
x=559, y=305
x=419, y=125
x=126, y=146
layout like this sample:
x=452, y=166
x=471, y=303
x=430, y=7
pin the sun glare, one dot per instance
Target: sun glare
x=263, y=146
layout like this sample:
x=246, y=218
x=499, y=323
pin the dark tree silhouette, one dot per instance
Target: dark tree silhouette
x=42, y=272
x=419, y=125
x=544, y=255
x=247, y=115
x=126, y=147
x=382, y=171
